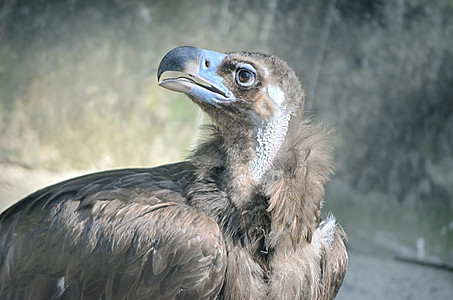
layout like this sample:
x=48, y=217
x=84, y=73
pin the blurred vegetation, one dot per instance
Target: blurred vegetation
x=78, y=91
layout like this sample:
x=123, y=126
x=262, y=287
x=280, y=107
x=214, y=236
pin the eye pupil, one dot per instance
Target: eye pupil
x=245, y=77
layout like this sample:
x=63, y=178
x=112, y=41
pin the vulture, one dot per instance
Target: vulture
x=238, y=219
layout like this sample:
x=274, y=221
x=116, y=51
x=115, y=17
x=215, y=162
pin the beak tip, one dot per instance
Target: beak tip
x=177, y=58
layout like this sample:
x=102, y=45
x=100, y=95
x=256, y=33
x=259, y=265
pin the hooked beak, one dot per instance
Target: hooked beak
x=193, y=71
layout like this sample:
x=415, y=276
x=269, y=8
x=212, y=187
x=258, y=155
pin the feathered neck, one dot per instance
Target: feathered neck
x=270, y=136
x=292, y=185
x=295, y=183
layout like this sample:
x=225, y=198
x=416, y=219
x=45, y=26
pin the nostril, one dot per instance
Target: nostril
x=207, y=63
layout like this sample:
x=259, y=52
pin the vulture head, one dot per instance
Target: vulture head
x=251, y=97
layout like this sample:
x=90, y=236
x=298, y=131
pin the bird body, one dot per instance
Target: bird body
x=240, y=219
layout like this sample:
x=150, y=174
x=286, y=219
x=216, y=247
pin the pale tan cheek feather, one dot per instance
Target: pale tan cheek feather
x=262, y=106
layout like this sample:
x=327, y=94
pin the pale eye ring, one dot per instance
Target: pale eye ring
x=245, y=77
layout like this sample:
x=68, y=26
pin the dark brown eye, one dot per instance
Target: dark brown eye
x=245, y=77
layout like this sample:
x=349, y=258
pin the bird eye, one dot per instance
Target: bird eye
x=245, y=77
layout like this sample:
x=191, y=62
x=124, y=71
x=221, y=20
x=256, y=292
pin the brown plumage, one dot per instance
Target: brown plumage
x=240, y=219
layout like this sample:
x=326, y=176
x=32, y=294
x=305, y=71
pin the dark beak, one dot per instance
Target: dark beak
x=193, y=71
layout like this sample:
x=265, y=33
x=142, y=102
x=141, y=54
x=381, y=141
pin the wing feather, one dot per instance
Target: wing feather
x=333, y=265
x=115, y=235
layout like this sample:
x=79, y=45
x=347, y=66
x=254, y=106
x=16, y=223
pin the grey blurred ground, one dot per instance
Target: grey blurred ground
x=378, y=277
x=78, y=92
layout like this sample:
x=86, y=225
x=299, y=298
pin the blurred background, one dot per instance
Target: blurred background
x=78, y=93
